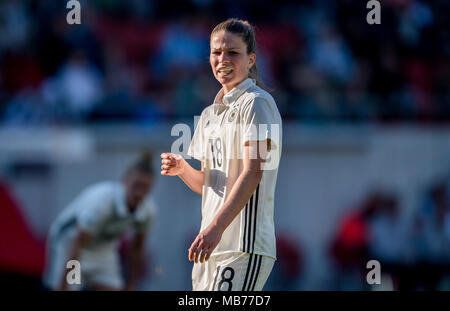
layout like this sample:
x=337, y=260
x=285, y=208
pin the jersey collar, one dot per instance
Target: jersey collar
x=234, y=94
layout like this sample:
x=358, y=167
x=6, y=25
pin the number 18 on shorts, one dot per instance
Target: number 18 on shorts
x=232, y=272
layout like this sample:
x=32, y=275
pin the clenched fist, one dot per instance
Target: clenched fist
x=172, y=164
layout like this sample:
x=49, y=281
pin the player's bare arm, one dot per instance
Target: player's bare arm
x=137, y=257
x=175, y=165
x=207, y=240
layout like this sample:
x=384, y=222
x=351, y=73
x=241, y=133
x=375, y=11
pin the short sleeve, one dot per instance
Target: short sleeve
x=259, y=121
x=96, y=208
x=92, y=216
x=196, y=147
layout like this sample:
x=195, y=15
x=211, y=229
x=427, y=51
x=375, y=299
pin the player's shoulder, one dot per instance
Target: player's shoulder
x=256, y=94
x=256, y=98
x=98, y=193
x=103, y=188
x=207, y=110
x=207, y=113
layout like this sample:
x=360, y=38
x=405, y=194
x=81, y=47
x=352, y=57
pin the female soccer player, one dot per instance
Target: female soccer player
x=89, y=228
x=238, y=141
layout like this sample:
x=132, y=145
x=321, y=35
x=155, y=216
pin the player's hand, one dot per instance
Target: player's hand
x=172, y=164
x=204, y=244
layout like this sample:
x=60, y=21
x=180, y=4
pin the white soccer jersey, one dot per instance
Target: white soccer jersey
x=101, y=210
x=246, y=113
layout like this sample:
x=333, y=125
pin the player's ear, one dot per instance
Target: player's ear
x=252, y=60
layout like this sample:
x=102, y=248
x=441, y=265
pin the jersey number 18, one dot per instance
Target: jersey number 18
x=216, y=151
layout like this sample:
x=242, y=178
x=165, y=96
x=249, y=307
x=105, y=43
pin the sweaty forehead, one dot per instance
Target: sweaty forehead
x=226, y=40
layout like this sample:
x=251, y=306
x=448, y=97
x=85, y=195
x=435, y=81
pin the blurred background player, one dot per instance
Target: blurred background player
x=235, y=249
x=89, y=230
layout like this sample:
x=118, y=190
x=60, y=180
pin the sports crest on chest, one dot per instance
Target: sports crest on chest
x=232, y=113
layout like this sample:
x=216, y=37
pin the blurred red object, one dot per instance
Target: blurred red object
x=290, y=256
x=350, y=244
x=20, y=251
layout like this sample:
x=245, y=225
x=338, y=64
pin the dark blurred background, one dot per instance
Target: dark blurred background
x=366, y=110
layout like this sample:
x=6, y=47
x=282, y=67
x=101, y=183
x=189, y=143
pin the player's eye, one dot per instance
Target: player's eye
x=215, y=52
x=233, y=52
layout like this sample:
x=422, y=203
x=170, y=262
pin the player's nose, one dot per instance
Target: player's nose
x=223, y=57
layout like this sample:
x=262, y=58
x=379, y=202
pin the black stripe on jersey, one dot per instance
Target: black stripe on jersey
x=248, y=271
x=254, y=220
x=66, y=225
x=248, y=243
x=249, y=229
x=252, y=274
x=257, y=272
x=245, y=229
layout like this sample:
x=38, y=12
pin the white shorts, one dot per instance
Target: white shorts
x=232, y=272
x=98, y=268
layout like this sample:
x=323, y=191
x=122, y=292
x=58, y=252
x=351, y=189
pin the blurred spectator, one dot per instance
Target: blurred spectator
x=288, y=268
x=371, y=232
x=391, y=243
x=432, y=239
x=388, y=234
x=350, y=246
x=410, y=260
x=78, y=86
x=14, y=25
x=433, y=226
x=142, y=61
x=183, y=46
x=28, y=108
x=330, y=55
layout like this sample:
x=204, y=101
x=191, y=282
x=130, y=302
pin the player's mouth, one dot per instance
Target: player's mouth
x=224, y=72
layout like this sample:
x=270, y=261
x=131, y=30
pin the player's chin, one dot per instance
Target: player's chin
x=224, y=79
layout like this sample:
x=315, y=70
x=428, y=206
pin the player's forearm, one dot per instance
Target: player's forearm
x=240, y=193
x=136, y=264
x=192, y=178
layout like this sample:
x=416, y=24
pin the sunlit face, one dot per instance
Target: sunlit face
x=137, y=186
x=229, y=60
